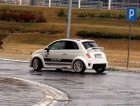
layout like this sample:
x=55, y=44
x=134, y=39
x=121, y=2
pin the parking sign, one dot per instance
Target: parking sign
x=131, y=14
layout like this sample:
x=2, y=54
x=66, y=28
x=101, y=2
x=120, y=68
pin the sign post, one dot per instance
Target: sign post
x=131, y=16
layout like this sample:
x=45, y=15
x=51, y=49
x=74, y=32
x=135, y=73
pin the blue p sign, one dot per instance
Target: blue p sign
x=131, y=14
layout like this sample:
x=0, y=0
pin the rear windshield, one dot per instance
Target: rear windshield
x=89, y=44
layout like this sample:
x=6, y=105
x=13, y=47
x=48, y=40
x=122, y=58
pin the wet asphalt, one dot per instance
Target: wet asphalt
x=112, y=88
x=18, y=93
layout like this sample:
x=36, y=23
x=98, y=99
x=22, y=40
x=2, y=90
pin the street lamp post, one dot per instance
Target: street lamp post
x=20, y=2
x=69, y=19
x=79, y=3
x=109, y=4
x=49, y=3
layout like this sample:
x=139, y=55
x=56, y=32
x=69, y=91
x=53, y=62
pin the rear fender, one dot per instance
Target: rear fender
x=82, y=59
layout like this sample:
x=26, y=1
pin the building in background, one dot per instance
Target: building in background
x=123, y=4
x=20, y=2
x=23, y=2
x=115, y=4
x=2, y=1
x=33, y=2
x=41, y=2
x=10, y=1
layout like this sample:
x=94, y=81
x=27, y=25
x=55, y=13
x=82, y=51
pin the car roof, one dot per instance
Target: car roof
x=77, y=39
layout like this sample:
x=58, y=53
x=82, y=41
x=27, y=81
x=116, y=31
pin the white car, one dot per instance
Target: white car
x=76, y=54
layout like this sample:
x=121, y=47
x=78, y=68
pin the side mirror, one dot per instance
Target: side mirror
x=47, y=49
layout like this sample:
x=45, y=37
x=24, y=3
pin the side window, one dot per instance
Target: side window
x=57, y=45
x=71, y=45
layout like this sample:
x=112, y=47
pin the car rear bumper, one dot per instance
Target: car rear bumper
x=95, y=66
x=99, y=63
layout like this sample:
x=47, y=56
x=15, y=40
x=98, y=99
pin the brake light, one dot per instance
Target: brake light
x=88, y=55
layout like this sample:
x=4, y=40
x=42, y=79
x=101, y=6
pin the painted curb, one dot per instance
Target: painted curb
x=52, y=95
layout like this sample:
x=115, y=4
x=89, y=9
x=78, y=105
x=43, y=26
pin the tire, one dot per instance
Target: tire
x=37, y=64
x=100, y=70
x=58, y=69
x=78, y=66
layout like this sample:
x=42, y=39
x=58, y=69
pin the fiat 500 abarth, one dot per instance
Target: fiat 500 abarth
x=76, y=54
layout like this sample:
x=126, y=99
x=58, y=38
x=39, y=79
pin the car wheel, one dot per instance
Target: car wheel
x=100, y=70
x=37, y=64
x=79, y=66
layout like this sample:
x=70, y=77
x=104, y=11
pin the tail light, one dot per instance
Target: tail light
x=88, y=55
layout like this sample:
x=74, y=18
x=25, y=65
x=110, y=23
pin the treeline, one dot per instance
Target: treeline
x=102, y=15
x=22, y=16
x=99, y=34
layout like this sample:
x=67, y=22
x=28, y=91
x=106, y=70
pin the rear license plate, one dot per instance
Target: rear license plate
x=98, y=56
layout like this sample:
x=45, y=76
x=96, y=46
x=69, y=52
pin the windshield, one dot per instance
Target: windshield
x=89, y=44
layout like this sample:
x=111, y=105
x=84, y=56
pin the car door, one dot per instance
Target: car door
x=72, y=51
x=56, y=54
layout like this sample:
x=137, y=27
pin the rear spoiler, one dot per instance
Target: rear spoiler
x=101, y=48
